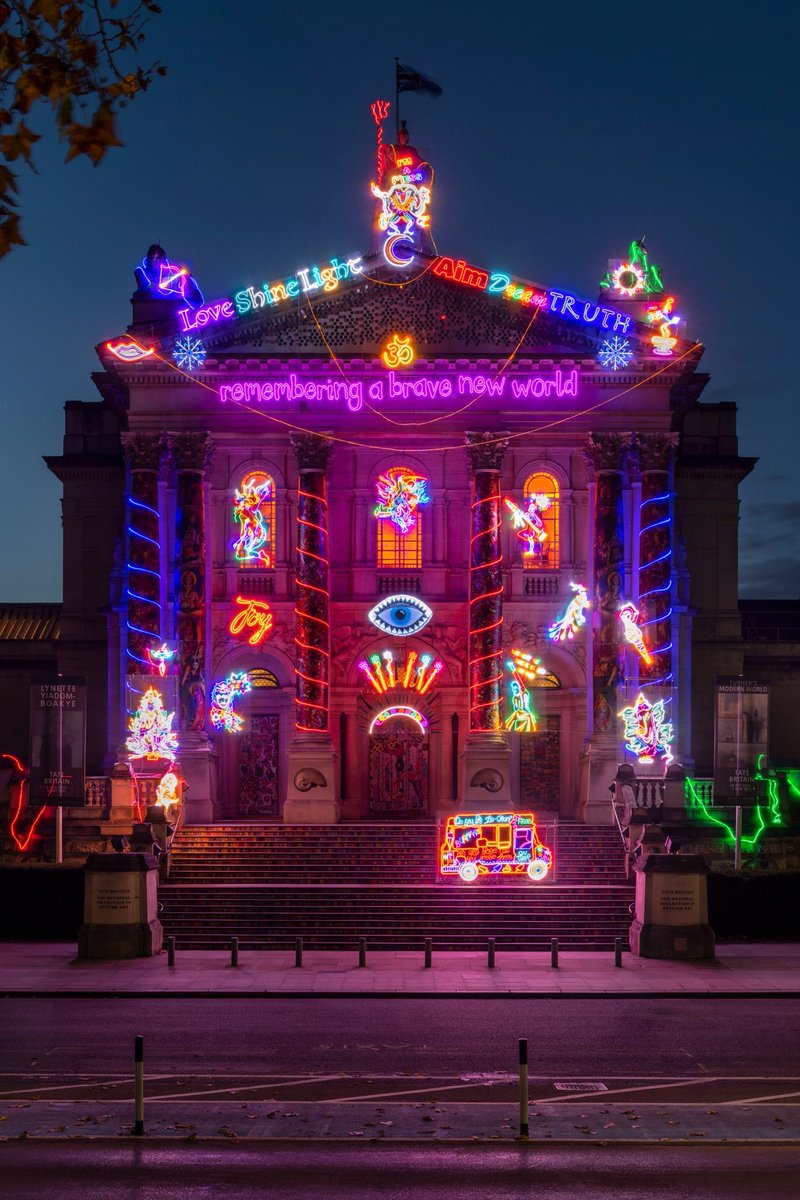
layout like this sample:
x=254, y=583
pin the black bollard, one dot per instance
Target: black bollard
x=490, y=962
x=170, y=951
x=138, y=1086
x=298, y=952
x=362, y=952
x=234, y=951
x=428, y=952
x=554, y=952
x=523, y=1087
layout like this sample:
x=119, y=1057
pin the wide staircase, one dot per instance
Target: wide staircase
x=332, y=884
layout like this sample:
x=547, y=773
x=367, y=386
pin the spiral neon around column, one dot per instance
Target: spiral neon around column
x=193, y=452
x=143, y=561
x=312, y=636
x=655, y=561
x=485, y=585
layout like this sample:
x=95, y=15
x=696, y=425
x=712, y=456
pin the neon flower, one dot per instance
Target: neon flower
x=224, y=694
x=648, y=733
x=167, y=792
x=252, y=546
x=399, y=492
x=662, y=316
x=628, y=279
x=528, y=523
x=151, y=734
x=567, y=626
x=398, y=351
x=253, y=614
x=189, y=352
x=126, y=350
x=399, y=710
x=160, y=657
x=629, y=615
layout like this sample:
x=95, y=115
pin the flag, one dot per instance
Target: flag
x=409, y=80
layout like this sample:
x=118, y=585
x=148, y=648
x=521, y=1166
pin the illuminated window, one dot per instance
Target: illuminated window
x=541, y=497
x=400, y=493
x=260, y=677
x=254, y=521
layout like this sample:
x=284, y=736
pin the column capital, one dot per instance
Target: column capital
x=606, y=452
x=485, y=451
x=192, y=451
x=653, y=451
x=311, y=451
x=143, y=451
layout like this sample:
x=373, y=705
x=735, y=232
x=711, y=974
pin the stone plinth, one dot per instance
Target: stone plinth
x=485, y=773
x=672, y=908
x=313, y=774
x=119, y=907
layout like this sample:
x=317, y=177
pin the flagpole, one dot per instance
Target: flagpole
x=396, y=100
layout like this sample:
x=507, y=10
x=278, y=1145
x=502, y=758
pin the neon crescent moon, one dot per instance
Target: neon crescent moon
x=391, y=255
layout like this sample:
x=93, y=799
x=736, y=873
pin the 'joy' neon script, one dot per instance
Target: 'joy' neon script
x=401, y=387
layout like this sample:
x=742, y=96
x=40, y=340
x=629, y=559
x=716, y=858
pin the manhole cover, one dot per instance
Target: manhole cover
x=580, y=1087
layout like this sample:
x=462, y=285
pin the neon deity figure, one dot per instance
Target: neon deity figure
x=567, y=626
x=522, y=718
x=404, y=192
x=399, y=492
x=493, y=844
x=223, y=697
x=529, y=525
x=629, y=615
x=160, y=657
x=253, y=615
x=398, y=351
x=400, y=615
x=151, y=734
x=399, y=710
x=253, y=543
x=167, y=792
x=158, y=275
x=663, y=316
x=649, y=734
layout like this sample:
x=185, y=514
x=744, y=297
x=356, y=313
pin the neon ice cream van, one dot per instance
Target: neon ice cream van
x=493, y=844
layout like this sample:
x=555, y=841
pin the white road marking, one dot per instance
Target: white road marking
x=251, y=1087
x=649, y=1087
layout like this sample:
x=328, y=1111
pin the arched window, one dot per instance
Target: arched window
x=541, y=504
x=254, y=519
x=399, y=493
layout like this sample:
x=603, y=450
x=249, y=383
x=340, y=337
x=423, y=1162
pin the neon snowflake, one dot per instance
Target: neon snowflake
x=189, y=352
x=615, y=353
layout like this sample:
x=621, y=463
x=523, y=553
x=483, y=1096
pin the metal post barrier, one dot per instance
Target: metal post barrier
x=234, y=951
x=617, y=952
x=170, y=951
x=523, y=1087
x=490, y=962
x=362, y=952
x=428, y=951
x=138, y=1086
x=298, y=952
x=554, y=952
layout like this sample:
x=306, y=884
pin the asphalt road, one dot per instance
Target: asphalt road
x=113, y=1172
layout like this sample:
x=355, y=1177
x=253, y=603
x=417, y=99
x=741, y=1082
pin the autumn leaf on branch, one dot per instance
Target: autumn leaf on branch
x=77, y=58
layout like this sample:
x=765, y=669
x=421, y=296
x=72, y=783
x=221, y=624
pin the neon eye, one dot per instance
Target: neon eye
x=400, y=615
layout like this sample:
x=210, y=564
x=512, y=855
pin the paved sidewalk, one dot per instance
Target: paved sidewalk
x=37, y=969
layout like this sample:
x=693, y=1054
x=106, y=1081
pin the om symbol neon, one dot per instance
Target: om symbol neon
x=399, y=352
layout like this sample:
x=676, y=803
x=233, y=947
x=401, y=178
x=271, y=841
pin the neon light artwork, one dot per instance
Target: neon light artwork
x=574, y=617
x=253, y=615
x=399, y=710
x=224, y=695
x=255, y=536
x=663, y=316
x=399, y=492
x=160, y=657
x=526, y=666
x=629, y=616
x=398, y=352
x=400, y=615
x=404, y=204
x=310, y=279
x=189, y=353
x=766, y=815
x=21, y=842
x=129, y=351
x=380, y=111
x=648, y=732
x=157, y=274
x=627, y=280
x=522, y=718
x=635, y=276
x=150, y=729
x=493, y=844
x=168, y=790
x=529, y=525
x=615, y=353
x=417, y=672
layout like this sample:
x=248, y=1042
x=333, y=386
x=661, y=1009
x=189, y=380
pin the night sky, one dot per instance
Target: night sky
x=560, y=136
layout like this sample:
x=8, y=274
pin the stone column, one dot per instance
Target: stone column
x=143, y=453
x=312, y=791
x=605, y=455
x=193, y=453
x=486, y=757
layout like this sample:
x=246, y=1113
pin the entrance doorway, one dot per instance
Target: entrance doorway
x=398, y=769
x=258, y=766
x=540, y=766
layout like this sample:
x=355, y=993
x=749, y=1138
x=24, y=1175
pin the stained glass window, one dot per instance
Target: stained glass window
x=540, y=499
x=254, y=518
x=400, y=493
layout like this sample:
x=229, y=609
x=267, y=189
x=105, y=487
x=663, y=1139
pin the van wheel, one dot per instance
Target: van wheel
x=468, y=872
x=537, y=869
